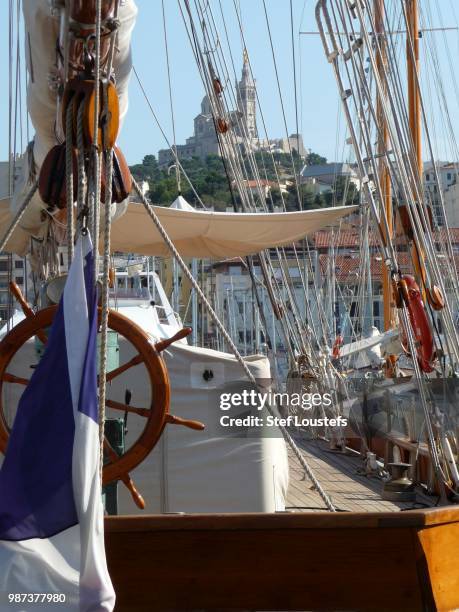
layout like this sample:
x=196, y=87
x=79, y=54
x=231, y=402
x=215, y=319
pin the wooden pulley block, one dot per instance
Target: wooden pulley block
x=406, y=221
x=435, y=298
x=222, y=125
x=397, y=294
x=84, y=11
x=121, y=178
x=217, y=85
x=82, y=91
x=403, y=291
x=51, y=182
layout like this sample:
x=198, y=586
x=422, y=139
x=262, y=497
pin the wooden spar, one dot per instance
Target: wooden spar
x=384, y=177
x=414, y=108
x=414, y=99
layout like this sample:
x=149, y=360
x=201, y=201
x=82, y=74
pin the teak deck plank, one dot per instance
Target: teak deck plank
x=338, y=474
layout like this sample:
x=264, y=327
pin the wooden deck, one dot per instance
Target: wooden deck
x=340, y=476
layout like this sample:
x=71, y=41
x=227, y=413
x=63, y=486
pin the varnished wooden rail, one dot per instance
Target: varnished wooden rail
x=317, y=561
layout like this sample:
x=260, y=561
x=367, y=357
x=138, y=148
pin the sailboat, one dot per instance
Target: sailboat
x=230, y=550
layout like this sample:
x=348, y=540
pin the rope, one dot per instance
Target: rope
x=105, y=290
x=81, y=196
x=69, y=179
x=213, y=315
x=18, y=216
x=163, y=133
x=166, y=46
x=95, y=208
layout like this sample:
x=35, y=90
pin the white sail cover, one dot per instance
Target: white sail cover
x=216, y=235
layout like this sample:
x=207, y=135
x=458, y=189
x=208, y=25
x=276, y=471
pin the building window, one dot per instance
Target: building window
x=19, y=280
x=448, y=176
x=19, y=264
x=4, y=265
x=427, y=177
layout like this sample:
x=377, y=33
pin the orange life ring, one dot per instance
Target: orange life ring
x=419, y=324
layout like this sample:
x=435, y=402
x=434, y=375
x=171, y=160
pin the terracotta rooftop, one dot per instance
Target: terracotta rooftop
x=351, y=238
x=347, y=267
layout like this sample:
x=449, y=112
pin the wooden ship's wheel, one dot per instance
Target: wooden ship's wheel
x=156, y=416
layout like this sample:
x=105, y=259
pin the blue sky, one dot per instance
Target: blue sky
x=141, y=136
x=320, y=119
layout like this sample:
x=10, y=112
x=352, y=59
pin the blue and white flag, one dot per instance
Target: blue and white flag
x=51, y=514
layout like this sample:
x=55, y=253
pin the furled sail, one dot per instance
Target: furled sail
x=43, y=48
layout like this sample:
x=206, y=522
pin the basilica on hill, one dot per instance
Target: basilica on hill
x=204, y=141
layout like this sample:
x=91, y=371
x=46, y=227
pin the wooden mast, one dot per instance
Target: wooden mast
x=414, y=98
x=384, y=175
x=414, y=108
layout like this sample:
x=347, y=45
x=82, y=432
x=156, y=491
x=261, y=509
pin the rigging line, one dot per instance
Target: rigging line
x=69, y=179
x=416, y=228
x=217, y=47
x=411, y=169
x=241, y=125
x=10, y=96
x=96, y=178
x=447, y=314
x=249, y=261
x=25, y=91
x=388, y=251
x=282, y=103
x=17, y=117
x=170, y=245
x=422, y=30
x=177, y=161
x=19, y=214
x=450, y=261
x=166, y=46
x=316, y=294
x=235, y=168
x=294, y=84
x=96, y=206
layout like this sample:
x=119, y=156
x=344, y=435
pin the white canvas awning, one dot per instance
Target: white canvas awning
x=201, y=234
x=217, y=235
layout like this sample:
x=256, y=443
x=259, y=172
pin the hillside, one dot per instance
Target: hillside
x=211, y=182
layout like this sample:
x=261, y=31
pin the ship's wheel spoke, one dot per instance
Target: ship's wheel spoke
x=125, y=478
x=11, y=378
x=144, y=412
x=122, y=368
x=110, y=451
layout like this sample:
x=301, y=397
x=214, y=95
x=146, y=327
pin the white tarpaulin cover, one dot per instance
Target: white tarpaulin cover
x=216, y=235
x=200, y=471
x=190, y=471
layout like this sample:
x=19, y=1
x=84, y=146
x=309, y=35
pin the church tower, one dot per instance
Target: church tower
x=246, y=100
